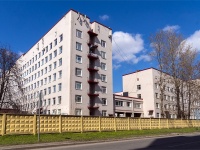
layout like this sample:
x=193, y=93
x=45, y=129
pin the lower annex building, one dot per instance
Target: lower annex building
x=72, y=66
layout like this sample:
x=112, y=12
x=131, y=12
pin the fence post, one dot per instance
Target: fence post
x=140, y=124
x=168, y=123
x=159, y=124
x=3, y=131
x=81, y=124
x=128, y=123
x=60, y=124
x=34, y=124
x=115, y=124
x=150, y=122
x=99, y=123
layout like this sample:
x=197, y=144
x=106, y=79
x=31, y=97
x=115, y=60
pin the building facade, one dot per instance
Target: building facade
x=71, y=65
x=145, y=84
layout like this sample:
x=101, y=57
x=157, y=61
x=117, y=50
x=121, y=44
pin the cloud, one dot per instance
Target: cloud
x=128, y=48
x=104, y=17
x=171, y=28
x=194, y=40
x=20, y=53
x=116, y=66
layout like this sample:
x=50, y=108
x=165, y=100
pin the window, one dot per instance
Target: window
x=55, y=42
x=60, y=87
x=61, y=37
x=54, y=76
x=78, y=98
x=138, y=105
x=78, y=111
x=78, y=33
x=48, y=112
x=157, y=96
x=45, y=80
x=44, y=103
x=78, y=85
x=138, y=87
x=46, y=49
x=119, y=103
x=104, y=101
x=54, y=101
x=50, y=68
x=103, y=66
x=42, y=62
x=78, y=46
x=45, y=71
x=60, y=62
x=49, y=101
x=60, y=50
x=157, y=105
x=78, y=72
x=104, y=113
x=45, y=91
x=103, y=54
x=103, y=43
x=54, y=65
x=128, y=104
x=50, y=56
x=157, y=115
x=104, y=89
x=103, y=78
x=55, y=53
x=49, y=89
x=50, y=45
x=78, y=59
x=43, y=51
x=46, y=59
x=139, y=96
x=54, y=88
x=60, y=74
x=59, y=99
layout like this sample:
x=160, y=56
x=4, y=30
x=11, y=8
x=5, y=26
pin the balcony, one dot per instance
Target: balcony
x=93, y=56
x=91, y=33
x=93, y=106
x=93, y=81
x=93, y=94
x=93, y=68
x=92, y=46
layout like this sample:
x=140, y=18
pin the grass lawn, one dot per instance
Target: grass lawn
x=87, y=136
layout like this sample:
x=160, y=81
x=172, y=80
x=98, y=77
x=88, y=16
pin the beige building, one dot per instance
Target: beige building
x=144, y=84
x=72, y=66
x=126, y=106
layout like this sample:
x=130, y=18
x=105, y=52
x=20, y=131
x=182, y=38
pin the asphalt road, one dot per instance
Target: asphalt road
x=174, y=142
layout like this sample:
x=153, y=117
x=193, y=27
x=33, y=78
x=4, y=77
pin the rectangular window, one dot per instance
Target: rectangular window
x=49, y=79
x=138, y=87
x=55, y=42
x=59, y=111
x=78, y=111
x=61, y=37
x=119, y=103
x=157, y=105
x=42, y=63
x=138, y=105
x=104, y=89
x=46, y=59
x=60, y=49
x=157, y=96
x=103, y=43
x=45, y=70
x=54, y=65
x=103, y=66
x=78, y=72
x=78, y=85
x=60, y=62
x=44, y=103
x=139, y=96
x=43, y=51
x=50, y=56
x=54, y=88
x=78, y=59
x=103, y=55
x=46, y=49
x=49, y=90
x=49, y=101
x=157, y=115
x=59, y=99
x=60, y=87
x=45, y=91
x=54, y=101
x=54, y=76
x=104, y=101
x=104, y=113
x=128, y=104
x=45, y=80
x=78, y=46
x=55, y=53
x=78, y=98
x=103, y=78
x=78, y=33
x=50, y=67
x=60, y=74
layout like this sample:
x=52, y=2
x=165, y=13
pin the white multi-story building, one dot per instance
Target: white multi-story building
x=72, y=66
x=145, y=84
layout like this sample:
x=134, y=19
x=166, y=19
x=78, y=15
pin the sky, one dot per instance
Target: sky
x=23, y=23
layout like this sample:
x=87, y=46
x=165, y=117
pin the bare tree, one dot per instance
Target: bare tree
x=11, y=91
x=178, y=62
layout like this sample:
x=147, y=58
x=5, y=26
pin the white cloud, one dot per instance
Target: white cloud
x=20, y=53
x=194, y=40
x=116, y=66
x=126, y=46
x=171, y=28
x=104, y=17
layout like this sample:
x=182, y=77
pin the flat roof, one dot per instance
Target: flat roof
x=140, y=71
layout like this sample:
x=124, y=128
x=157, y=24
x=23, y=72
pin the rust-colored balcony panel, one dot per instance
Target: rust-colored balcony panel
x=93, y=94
